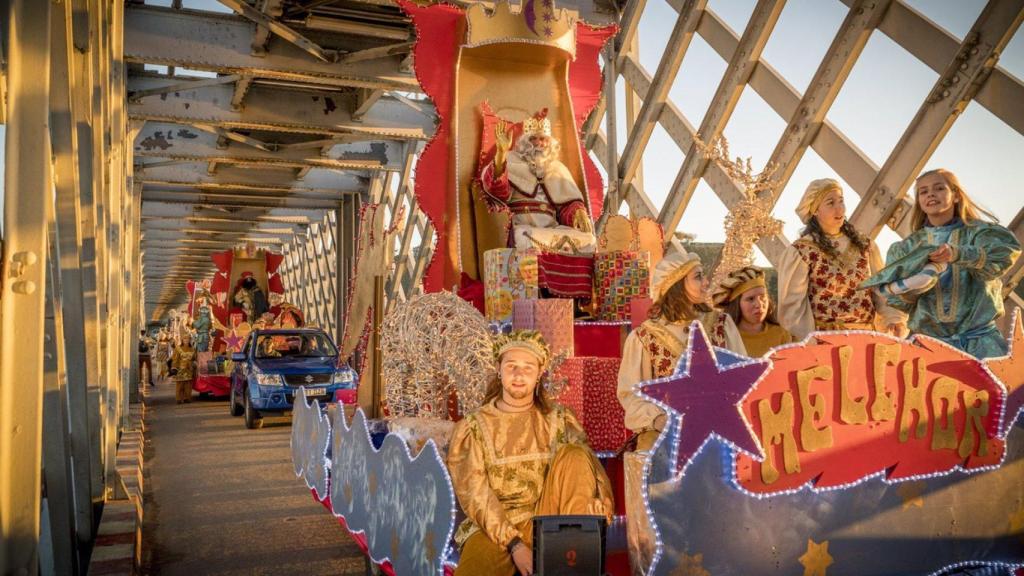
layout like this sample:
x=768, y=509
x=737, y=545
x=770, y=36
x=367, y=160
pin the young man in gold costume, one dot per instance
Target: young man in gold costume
x=517, y=457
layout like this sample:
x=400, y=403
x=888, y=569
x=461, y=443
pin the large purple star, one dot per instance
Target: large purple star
x=233, y=342
x=708, y=395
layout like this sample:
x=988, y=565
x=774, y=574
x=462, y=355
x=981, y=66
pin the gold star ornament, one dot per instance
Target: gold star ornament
x=817, y=559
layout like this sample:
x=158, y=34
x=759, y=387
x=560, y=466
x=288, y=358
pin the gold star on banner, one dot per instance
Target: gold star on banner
x=690, y=566
x=1017, y=523
x=817, y=559
x=911, y=493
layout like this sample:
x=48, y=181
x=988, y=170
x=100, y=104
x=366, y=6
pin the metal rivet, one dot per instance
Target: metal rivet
x=24, y=287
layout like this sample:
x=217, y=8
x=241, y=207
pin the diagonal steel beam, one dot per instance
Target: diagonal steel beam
x=959, y=83
x=190, y=85
x=727, y=95
x=934, y=46
x=678, y=42
x=807, y=120
x=305, y=44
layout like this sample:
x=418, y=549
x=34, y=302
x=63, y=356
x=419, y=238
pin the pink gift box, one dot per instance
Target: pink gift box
x=552, y=317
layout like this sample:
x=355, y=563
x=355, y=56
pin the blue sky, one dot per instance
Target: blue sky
x=876, y=104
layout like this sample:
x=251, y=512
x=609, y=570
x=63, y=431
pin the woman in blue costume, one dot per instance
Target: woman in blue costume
x=946, y=274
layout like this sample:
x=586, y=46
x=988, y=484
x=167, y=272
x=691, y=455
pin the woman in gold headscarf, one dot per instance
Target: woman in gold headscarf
x=743, y=295
x=679, y=289
x=820, y=273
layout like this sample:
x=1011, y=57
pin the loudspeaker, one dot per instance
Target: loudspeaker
x=568, y=545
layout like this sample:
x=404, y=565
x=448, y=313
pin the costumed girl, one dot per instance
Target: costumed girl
x=946, y=274
x=517, y=456
x=743, y=295
x=678, y=287
x=820, y=273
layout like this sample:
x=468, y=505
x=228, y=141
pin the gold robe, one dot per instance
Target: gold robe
x=498, y=462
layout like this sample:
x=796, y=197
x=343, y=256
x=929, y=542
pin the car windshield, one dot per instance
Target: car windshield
x=295, y=346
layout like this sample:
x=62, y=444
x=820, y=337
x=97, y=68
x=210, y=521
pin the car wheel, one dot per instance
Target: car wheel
x=233, y=406
x=252, y=417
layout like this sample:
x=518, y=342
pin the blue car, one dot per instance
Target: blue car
x=275, y=363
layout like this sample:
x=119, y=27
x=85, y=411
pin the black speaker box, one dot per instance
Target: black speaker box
x=568, y=545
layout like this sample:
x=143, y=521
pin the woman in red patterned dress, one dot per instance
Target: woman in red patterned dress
x=820, y=272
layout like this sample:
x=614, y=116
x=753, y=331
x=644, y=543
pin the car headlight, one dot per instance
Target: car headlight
x=344, y=377
x=269, y=379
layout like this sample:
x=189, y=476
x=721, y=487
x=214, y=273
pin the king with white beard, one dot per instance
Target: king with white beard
x=537, y=188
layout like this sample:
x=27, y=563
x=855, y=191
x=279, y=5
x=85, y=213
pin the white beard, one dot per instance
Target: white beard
x=538, y=159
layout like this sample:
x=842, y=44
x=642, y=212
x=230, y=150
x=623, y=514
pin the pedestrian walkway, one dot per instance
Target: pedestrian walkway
x=221, y=499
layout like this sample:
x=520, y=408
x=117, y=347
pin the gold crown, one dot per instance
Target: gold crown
x=529, y=340
x=537, y=126
x=539, y=22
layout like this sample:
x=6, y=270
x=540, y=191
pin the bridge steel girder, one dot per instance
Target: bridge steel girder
x=319, y=182
x=22, y=306
x=183, y=143
x=279, y=110
x=223, y=43
x=237, y=201
x=202, y=213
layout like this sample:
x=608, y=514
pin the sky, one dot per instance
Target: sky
x=874, y=107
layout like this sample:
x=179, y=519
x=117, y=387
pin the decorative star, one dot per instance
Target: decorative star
x=548, y=17
x=1009, y=370
x=911, y=493
x=708, y=395
x=547, y=31
x=233, y=342
x=817, y=559
x=1017, y=521
x=690, y=566
x=547, y=3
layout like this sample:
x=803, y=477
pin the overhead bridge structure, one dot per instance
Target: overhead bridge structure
x=143, y=136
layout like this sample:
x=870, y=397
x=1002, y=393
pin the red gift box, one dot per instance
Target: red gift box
x=603, y=339
x=590, y=392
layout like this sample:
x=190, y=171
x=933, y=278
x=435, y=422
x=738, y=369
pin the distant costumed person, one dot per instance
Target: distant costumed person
x=546, y=204
x=946, y=276
x=519, y=456
x=678, y=288
x=820, y=273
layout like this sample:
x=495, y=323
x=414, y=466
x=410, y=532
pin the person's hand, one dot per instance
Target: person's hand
x=503, y=143
x=522, y=557
x=581, y=222
x=942, y=255
x=897, y=329
x=659, y=422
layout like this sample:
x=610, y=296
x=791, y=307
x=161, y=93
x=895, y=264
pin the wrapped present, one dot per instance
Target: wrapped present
x=595, y=379
x=566, y=276
x=619, y=277
x=603, y=339
x=509, y=275
x=552, y=317
x=638, y=309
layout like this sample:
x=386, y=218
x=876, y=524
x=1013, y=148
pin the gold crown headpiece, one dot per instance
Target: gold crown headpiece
x=537, y=126
x=529, y=340
x=539, y=22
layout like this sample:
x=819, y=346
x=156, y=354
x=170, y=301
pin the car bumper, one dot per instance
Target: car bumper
x=282, y=399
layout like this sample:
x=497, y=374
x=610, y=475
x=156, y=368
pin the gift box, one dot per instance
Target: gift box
x=619, y=277
x=509, y=275
x=603, y=339
x=552, y=317
x=638, y=310
x=590, y=392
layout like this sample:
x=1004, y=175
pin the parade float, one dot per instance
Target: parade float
x=245, y=293
x=849, y=452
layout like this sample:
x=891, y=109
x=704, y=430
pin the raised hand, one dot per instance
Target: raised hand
x=503, y=143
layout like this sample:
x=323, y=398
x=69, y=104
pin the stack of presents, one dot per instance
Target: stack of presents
x=584, y=306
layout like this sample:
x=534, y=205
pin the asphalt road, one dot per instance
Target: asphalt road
x=223, y=500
